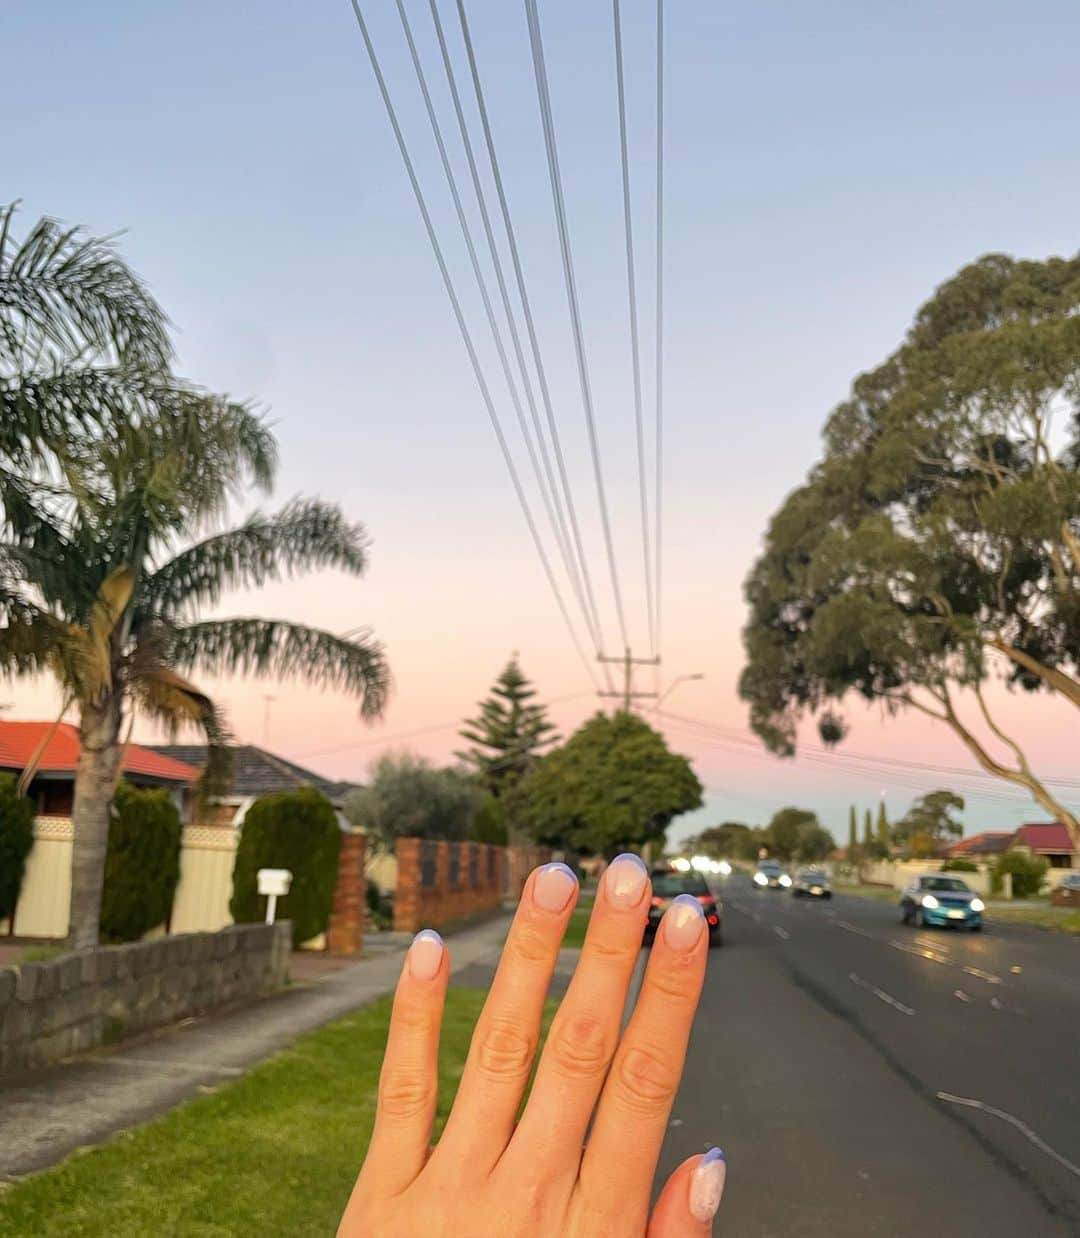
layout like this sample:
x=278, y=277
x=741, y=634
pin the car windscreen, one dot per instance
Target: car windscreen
x=812, y=874
x=669, y=885
x=945, y=883
x=770, y=870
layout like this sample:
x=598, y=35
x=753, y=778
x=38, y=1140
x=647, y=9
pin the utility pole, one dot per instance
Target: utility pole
x=628, y=662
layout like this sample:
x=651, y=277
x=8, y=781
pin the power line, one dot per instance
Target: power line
x=467, y=338
x=555, y=176
x=658, y=503
x=554, y=518
x=635, y=348
x=530, y=325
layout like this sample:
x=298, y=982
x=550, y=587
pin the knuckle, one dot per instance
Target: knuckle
x=679, y=984
x=529, y=945
x=405, y=1094
x=580, y=1047
x=504, y=1052
x=647, y=1080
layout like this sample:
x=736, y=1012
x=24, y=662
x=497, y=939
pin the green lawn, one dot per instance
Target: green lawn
x=1060, y=919
x=275, y=1153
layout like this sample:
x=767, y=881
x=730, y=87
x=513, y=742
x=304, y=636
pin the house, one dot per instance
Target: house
x=52, y=788
x=254, y=772
x=985, y=846
x=1052, y=841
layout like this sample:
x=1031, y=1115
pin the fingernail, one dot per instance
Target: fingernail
x=684, y=922
x=625, y=879
x=554, y=887
x=707, y=1185
x=425, y=955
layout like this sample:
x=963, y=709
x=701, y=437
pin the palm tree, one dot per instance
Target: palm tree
x=109, y=466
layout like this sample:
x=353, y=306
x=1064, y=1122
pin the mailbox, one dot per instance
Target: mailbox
x=274, y=883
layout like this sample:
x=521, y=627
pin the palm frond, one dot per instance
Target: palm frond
x=281, y=650
x=305, y=536
x=67, y=294
x=32, y=641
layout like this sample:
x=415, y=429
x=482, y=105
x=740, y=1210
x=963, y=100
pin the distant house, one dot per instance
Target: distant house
x=255, y=772
x=1052, y=841
x=984, y=846
x=52, y=788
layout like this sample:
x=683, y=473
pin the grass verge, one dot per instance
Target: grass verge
x=1060, y=919
x=883, y=894
x=274, y=1154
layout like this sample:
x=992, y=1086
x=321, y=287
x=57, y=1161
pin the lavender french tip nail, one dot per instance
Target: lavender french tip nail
x=713, y=1154
x=630, y=855
x=427, y=935
x=688, y=900
x=556, y=866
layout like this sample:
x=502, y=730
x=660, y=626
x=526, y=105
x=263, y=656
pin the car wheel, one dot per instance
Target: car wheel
x=905, y=913
x=827, y=894
x=921, y=920
x=716, y=937
x=977, y=928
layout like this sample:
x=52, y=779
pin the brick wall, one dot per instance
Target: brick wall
x=346, y=932
x=49, y=1011
x=439, y=883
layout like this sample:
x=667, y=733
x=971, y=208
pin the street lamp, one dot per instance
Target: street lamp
x=673, y=685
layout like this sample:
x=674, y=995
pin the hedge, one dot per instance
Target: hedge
x=16, y=839
x=142, y=864
x=1028, y=873
x=297, y=830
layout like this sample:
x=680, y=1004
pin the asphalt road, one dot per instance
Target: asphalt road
x=866, y=1078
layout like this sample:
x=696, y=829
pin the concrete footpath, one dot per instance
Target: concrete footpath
x=48, y=1115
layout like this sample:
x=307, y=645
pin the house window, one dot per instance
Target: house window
x=56, y=799
x=1061, y=859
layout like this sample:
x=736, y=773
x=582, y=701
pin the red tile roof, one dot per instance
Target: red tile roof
x=989, y=841
x=1052, y=837
x=19, y=741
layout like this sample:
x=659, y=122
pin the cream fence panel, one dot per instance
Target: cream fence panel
x=206, y=864
x=202, y=895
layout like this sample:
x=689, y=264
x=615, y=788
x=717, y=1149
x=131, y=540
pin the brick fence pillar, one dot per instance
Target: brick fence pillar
x=407, y=890
x=346, y=933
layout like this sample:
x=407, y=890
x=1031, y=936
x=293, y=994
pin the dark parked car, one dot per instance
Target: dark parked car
x=771, y=876
x=668, y=884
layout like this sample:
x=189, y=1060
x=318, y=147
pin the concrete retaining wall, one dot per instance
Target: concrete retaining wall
x=49, y=1011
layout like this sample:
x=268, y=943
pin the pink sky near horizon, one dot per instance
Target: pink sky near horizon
x=824, y=173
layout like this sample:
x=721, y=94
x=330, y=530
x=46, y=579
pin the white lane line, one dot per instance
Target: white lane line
x=996, y=1004
x=781, y=932
x=887, y=998
x=961, y=995
x=988, y=976
x=1025, y=1130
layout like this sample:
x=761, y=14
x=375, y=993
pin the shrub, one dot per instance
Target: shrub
x=489, y=822
x=142, y=864
x=380, y=906
x=16, y=839
x=1028, y=872
x=959, y=865
x=297, y=830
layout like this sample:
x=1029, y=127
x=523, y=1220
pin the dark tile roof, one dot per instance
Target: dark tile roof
x=258, y=772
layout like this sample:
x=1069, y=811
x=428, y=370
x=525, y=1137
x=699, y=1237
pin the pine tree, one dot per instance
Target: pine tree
x=509, y=734
x=884, y=835
x=868, y=830
x=853, y=833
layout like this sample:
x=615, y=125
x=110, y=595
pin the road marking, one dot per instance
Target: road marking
x=961, y=995
x=1016, y=969
x=1024, y=1130
x=989, y=977
x=887, y=998
x=781, y=932
x=996, y=1004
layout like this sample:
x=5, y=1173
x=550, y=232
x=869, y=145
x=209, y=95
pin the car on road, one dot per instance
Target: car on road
x=811, y=883
x=1067, y=893
x=771, y=876
x=937, y=899
x=667, y=885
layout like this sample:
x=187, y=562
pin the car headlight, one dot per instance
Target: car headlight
x=725, y=868
x=760, y=879
x=930, y=902
x=977, y=904
x=785, y=880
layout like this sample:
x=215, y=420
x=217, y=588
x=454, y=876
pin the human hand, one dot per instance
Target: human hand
x=538, y=1178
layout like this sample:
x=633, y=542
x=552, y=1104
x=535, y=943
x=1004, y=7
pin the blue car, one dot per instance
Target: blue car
x=947, y=902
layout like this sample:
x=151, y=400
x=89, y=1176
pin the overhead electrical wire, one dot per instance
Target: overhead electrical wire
x=554, y=514
x=658, y=489
x=635, y=345
x=555, y=176
x=467, y=338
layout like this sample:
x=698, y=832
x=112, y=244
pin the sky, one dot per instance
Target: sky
x=826, y=167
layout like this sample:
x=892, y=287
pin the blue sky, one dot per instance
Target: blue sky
x=827, y=166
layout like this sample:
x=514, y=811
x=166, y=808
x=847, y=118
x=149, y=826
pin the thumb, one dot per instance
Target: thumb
x=690, y=1198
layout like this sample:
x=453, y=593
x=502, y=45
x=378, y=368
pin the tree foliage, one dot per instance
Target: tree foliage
x=1028, y=873
x=796, y=834
x=297, y=830
x=936, y=544
x=730, y=841
x=509, y=733
x=613, y=786
x=142, y=864
x=488, y=823
x=930, y=823
x=408, y=797
x=16, y=839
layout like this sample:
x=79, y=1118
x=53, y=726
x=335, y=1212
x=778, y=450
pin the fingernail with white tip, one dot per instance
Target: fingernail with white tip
x=684, y=922
x=625, y=879
x=425, y=955
x=707, y=1185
